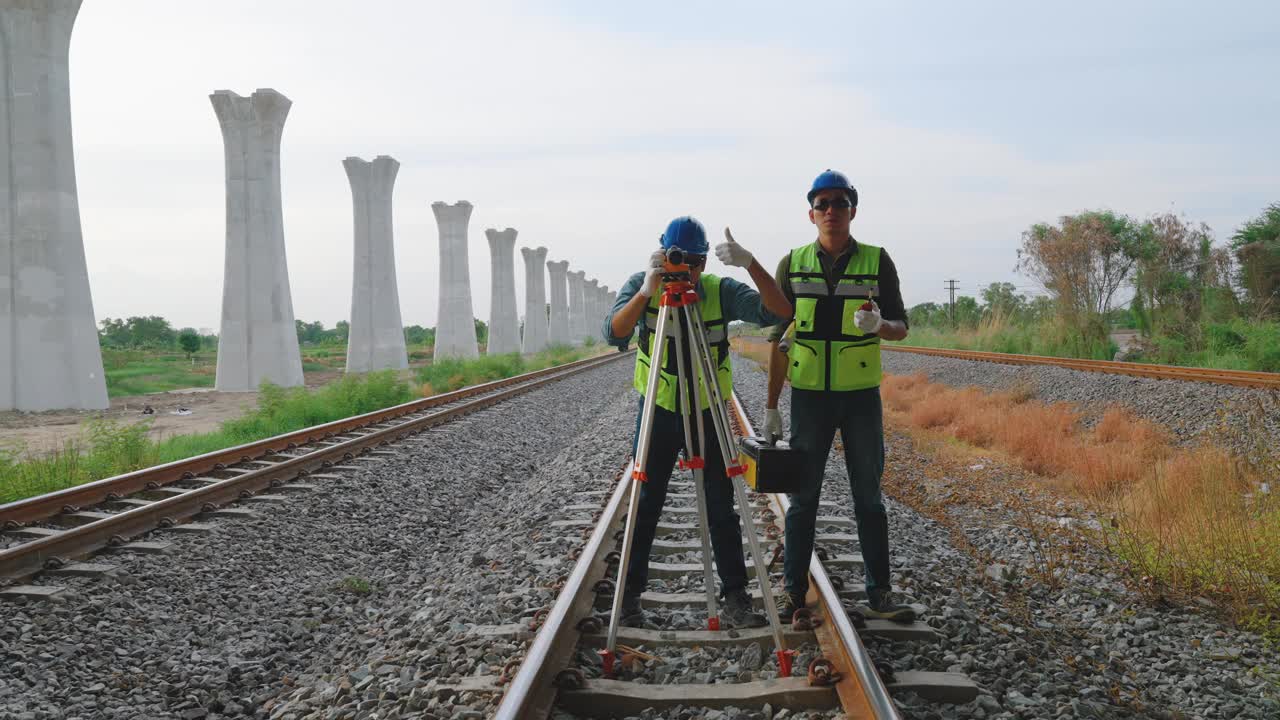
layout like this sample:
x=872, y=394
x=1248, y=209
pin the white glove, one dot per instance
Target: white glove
x=869, y=321
x=772, y=425
x=653, y=274
x=731, y=253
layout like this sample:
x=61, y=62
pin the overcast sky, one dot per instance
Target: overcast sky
x=587, y=127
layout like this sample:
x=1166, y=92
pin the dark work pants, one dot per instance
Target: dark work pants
x=726, y=534
x=815, y=417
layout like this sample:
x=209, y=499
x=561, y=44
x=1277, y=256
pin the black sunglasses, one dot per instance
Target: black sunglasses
x=695, y=261
x=839, y=204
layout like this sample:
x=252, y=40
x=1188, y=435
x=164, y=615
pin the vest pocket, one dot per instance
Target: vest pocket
x=847, y=310
x=805, y=310
x=855, y=366
x=807, y=370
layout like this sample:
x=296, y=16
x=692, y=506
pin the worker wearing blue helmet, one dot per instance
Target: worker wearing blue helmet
x=722, y=300
x=847, y=299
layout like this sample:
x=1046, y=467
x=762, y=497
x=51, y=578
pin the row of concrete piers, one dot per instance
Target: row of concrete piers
x=49, y=354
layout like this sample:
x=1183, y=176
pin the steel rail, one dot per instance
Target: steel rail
x=862, y=692
x=32, y=556
x=1242, y=378
x=21, y=512
x=531, y=693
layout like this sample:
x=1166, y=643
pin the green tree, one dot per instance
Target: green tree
x=1002, y=300
x=927, y=315
x=189, y=341
x=151, y=331
x=418, y=335
x=1257, y=249
x=1177, y=268
x=309, y=332
x=966, y=312
x=1083, y=261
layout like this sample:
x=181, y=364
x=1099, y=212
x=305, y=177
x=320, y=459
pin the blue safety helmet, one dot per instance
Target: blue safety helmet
x=686, y=234
x=832, y=180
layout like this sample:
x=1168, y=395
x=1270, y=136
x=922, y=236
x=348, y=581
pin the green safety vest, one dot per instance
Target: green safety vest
x=717, y=338
x=829, y=352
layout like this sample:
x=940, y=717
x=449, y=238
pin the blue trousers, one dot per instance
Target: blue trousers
x=667, y=439
x=815, y=417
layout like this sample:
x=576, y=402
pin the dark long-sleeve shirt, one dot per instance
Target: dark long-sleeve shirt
x=738, y=301
x=890, y=300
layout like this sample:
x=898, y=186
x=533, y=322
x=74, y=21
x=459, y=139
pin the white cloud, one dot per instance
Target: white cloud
x=587, y=141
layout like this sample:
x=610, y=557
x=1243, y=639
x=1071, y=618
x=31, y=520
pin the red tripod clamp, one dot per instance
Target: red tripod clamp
x=693, y=463
x=785, y=659
x=607, y=657
x=678, y=293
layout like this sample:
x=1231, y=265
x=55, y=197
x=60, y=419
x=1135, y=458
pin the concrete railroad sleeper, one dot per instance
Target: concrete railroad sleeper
x=542, y=681
x=269, y=462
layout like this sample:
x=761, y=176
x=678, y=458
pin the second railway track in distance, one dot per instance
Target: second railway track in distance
x=561, y=672
x=54, y=532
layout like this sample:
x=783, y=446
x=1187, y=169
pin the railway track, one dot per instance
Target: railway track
x=560, y=670
x=53, y=532
x=1243, y=378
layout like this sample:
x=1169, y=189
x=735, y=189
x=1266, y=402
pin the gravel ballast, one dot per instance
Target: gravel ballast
x=355, y=600
x=1088, y=648
x=370, y=597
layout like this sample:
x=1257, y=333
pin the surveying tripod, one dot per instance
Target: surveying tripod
x=696, y=378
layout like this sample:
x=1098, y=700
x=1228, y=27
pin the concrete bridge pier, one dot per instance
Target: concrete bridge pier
x=258, y=339
x=376, y=337
x=590, y=289
x=455, y=326
x=558, y=331
x=577, y=318
x=535, y=299
x=504, y=325
x=49, y=356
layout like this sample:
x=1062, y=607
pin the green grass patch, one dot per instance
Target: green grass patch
x=106, y=448
x=1016, y=339
x=134, y=372
x=448, y=374
x=1235, y=345
x=355, y=586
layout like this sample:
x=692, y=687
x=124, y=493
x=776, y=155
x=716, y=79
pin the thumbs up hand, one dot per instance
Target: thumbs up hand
x=731, y=253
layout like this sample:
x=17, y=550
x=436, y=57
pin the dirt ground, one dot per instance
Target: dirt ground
x=46, y=431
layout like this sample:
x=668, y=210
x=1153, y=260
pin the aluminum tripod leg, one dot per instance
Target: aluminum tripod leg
x=689, y=396
x=720, y=419
x=637, y=476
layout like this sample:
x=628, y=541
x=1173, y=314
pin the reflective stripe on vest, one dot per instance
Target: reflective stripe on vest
x=829, y=352
x=717, y=338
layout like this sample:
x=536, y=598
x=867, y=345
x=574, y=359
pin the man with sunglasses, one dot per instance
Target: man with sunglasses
x=846, y=300
x=722, y=300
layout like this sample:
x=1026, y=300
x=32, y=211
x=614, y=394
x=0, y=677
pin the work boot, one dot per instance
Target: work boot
x=880, y=605
x=738, y=613
x=632, y=612
x=788, y=604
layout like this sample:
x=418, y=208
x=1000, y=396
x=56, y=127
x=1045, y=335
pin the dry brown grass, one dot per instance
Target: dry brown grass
x=1187, y=521
x=1049, y=440
x=753, y=348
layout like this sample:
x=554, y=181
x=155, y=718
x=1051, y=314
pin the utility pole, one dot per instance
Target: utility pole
x=951, y=307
